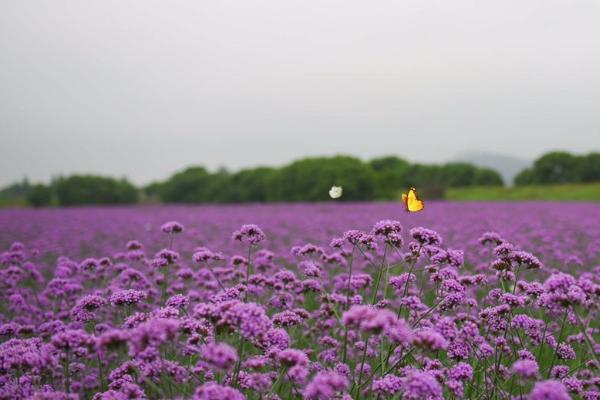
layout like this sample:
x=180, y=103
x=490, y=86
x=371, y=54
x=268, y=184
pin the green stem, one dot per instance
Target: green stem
x=155, y=387
x=236, y=373
x=585, y=335
x=542, y=342
x=101, y=374
x=293, y=386
x=380, y=273
x=362, y=366
x=516, y=279
x=426, y=313
x=349, y=278
x=562, y=326
x=508, y=324
x=215, y=277
x=279, y=382
x=410, y=270
x=248, y=270
x=345, y=345
x=165, y=284
x=396, y=364
x=67, y=371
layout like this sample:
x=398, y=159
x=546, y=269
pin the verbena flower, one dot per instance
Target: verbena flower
x=219, y=355
x=202, y=254
x=86, y=306
x=152, y=333
x=429, y=339
x=390, y=231
x=126, y=297
x=250, y=233
x=164, y=258
x=177, y=301
x=249, y=318
x=461, y=372
x=490, y=238
x=549, y=390
x=389, y=385
x=292, y=357
x=358, y=238
x=527, y=259
x=286, y=318
x=214, y=391
x=525, y=368
x=419, y=385
x=426, y=236
x=325, y=385
x=172, y=227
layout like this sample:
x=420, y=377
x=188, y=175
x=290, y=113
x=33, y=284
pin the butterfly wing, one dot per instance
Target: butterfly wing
x=413, y=203
x=405, y=200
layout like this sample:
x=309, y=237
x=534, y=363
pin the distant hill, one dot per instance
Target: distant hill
x=507, y=166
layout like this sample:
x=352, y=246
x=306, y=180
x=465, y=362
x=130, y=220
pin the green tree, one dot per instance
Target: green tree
x=153, y=189
x=39, y=196
x=390, y=176
x=420, y=175
x=250, y=185
x=194, y=185
x=487, y=177
x=16, y=191
x=89, y=189
x=310, y=179
x=525, y=177
x=556, y=167
x=464, y=174
x=457, y=175
x=589, y=168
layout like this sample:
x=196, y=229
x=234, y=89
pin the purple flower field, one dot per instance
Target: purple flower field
x=321, y=301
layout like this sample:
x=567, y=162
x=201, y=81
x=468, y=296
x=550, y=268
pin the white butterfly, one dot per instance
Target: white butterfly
x=335, y=192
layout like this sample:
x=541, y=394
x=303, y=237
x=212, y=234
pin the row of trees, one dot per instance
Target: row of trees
x=561, y=167
x=83, y=189
x=309, y=179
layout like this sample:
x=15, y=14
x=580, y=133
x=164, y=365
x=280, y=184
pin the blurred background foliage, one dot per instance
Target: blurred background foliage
x=553, y=176
x=561, y=167
x=310, y=179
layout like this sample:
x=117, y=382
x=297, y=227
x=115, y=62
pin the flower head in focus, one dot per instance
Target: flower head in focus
x=172, y=227
x=250, y=234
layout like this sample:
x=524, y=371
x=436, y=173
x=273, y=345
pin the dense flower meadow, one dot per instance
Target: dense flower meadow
x=322, y=301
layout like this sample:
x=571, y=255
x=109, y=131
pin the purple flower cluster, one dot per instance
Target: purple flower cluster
x=170, y=227
x=219, y=355
x=504, y=306
x=250, y=233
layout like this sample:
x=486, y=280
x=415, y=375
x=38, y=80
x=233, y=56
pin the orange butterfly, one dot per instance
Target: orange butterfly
x=412, y=202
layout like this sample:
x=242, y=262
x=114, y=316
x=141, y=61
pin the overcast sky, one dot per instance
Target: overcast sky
x=144, y=88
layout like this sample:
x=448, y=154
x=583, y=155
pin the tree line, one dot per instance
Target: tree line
x=561, y=167
x=307, y=179
x=310, y=179
x=83, y=189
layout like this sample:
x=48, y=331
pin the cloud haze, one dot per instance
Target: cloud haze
x=144, y=88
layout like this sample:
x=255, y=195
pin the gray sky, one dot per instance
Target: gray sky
x=144, y=88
